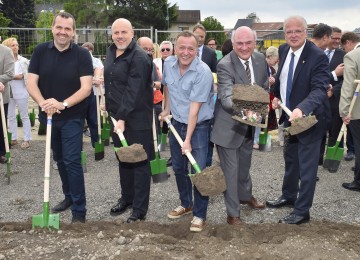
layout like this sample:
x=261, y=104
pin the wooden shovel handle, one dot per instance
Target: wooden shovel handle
x=287, y=111
x=120, y=133
x=3, y=120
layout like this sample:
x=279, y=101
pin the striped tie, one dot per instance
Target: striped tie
x=247, y=69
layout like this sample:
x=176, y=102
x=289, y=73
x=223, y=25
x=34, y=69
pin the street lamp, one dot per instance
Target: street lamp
x=167, y=16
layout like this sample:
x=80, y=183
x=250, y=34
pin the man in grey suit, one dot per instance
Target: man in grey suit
x=234, y=140
x=7, y=72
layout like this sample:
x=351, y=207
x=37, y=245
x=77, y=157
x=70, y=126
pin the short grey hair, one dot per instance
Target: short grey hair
x=272, y=51
x=166, y=42
x=295, y=17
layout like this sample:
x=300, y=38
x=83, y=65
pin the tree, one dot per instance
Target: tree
x=20, y=12
x=4, y=23
x=212, y=24
x=254, y=17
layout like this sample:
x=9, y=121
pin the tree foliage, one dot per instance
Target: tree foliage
x=20, y=12
x=212, y=24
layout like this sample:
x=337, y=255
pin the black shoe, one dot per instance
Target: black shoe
x=169, y=162
x=76, y=218
x=349, y=156
x=280, y=202
x=3, y=159
x=354, y=186
x=321, y=161
x=120, y=208
x=62, y=206
x=317, y=178
x=353, y=168
x=135, y=217
x=295, y=219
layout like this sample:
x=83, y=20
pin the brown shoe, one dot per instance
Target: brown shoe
x=179, y=212
x=14, y=142
x=253, y=203
x=235, y=221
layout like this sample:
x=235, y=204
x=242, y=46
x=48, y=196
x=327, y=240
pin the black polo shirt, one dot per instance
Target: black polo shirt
x=59, y=75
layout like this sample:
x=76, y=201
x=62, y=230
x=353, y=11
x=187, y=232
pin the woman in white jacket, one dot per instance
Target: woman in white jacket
x=19, y=95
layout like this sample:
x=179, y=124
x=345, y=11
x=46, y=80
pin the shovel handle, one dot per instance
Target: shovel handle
x=178, y=138
x=120, y=134
x=287, y=111
x=47, y=158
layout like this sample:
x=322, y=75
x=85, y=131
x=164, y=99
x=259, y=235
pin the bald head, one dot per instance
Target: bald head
x=244, y=42
x=146, y=44
x=122, y=33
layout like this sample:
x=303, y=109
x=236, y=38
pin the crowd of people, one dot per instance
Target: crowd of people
x=310, y=76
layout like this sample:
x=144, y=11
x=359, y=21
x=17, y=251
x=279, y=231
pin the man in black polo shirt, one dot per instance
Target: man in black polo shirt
x=60, y=78
x=129, y=99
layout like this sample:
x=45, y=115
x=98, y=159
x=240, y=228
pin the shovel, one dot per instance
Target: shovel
x=265, y=139
x=299, y=125
x=210, y=181
x=83, y=161
x=335, y=154
x=158, y=166
x=46, y=220
x=6, y=140
x=106, y=128
x=129, y=154
x=99, y=145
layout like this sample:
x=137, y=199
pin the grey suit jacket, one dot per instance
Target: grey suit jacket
x=228, y=132
x=7, y=70
x=351, y=72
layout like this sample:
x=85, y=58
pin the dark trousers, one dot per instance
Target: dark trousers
x=336, y=124
x=66, y=142
x=91, y=119
x=135, y=178
x=301, y=166
x=349, y=140
x=355, y=131
x=2, y=139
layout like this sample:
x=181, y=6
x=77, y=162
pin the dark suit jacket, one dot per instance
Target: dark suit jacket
x=228, y=132
x=337, y=59
x=310, y=82
x=209, y=57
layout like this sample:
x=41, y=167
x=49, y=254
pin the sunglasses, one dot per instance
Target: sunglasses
x=165, y=49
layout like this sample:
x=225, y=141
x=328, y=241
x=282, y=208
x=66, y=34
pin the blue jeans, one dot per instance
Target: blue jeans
x=66, y=142
x=180, y=164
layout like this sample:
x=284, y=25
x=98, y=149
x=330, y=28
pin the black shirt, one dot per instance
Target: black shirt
x=128, y=86
x=59, y=75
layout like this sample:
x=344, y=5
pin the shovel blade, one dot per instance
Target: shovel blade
x=333, y=166
x=51, y=221
x=99, y=151
x=158, y=169
x=265, y=147
x=334, y=153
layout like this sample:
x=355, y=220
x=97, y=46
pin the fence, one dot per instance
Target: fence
x=28, y=38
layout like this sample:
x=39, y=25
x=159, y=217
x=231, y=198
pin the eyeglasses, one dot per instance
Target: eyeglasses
x=211, y=44
x=296, y=32
x=336, y=38
x=148, y=50
x=165, y=49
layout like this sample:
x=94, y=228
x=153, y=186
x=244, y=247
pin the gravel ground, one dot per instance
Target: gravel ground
x=23, y=197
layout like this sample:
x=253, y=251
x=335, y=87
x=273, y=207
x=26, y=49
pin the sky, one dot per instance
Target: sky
x=341, y=13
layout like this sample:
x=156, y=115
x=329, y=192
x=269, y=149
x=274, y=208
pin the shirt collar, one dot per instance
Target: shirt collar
x=298, y=52
x=52, y=45
x=192, y=66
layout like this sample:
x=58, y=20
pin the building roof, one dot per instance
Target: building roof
x=188, y=16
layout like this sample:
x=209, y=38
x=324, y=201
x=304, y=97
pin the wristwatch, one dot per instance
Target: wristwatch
x=65, y=104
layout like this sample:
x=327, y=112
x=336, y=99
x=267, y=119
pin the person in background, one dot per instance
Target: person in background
x=59, y=81
x=211, y=43
x=91, y=116
x=19, y=95
x=227, y=47
x=7, y=72
x=156, y=54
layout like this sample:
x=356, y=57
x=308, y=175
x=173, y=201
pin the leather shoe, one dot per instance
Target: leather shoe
x=253, y=203
x=280, y=202
x=120, y=208
x=295, y=219
x=353, y=168
x=76, y=218
x=62, y=206
x=3, y=159
x=349, y=156
x=135, y=217
x=354, y=186
x=235, y=221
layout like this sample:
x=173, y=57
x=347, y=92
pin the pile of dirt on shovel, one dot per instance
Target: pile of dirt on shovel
x=251, y=97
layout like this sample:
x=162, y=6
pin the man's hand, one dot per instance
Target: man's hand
x=275, y=103
x=297, y=113
x=346, y=119
x=163, y=114
x=330, y=91
x=339, y=71
x=120, y=124
x=271, y=80
x=186, y=147
x=51, y=106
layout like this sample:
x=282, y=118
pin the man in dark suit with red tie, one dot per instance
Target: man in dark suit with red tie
x=301, y=83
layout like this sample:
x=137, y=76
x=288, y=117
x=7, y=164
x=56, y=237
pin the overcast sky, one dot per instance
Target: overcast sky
x=341, y=13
